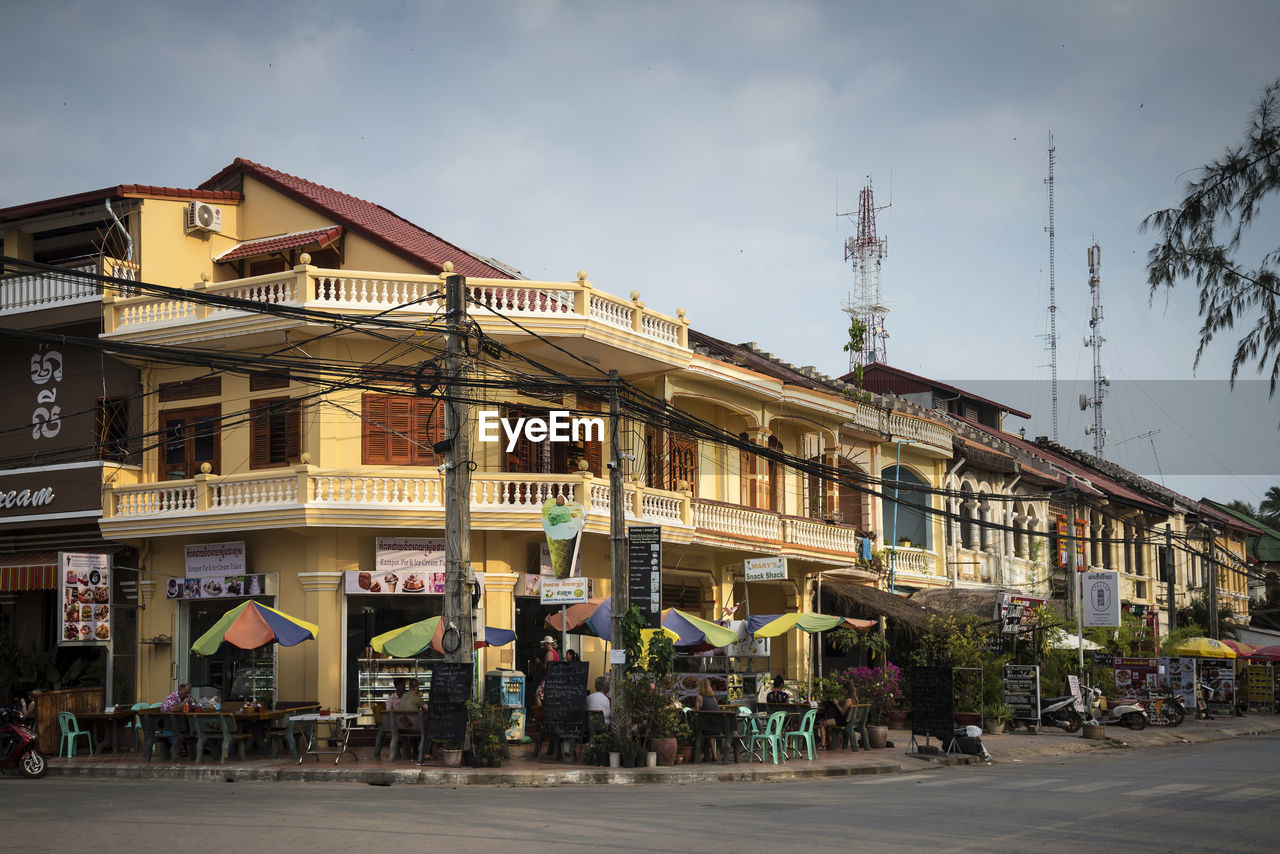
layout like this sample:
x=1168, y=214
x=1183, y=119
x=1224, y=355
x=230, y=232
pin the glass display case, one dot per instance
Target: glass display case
x=377, y=677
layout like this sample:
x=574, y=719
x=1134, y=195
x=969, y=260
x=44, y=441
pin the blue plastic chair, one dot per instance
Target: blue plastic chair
x=136, y=725
x=70, y=732
x=804, y=733
x=771, y=737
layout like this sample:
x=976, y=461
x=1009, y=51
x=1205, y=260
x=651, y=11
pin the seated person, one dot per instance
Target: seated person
x=177, y=699
x=397, y=690
x=598, y=700
x=777, y=695
x=836, y=715
x=410, y=701
x=708, y=725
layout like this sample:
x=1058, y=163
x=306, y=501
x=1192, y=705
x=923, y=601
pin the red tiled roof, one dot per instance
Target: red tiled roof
x=371, y=221
x=321, y=237
x=117, y=192
x=869, y=372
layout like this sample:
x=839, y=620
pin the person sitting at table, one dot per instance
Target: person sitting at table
x=837, y=714
x=27, y=710
x=705, y=701
x=411, y=699
x=598, y=700
x=177, y=699
x=571, y=655
x=397, y=691
x=777, y=695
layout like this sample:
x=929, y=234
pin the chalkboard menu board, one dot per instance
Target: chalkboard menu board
x=931, y=703
x=564, y=699
x=447, y=701
x=1022, y=692
x=644, y=572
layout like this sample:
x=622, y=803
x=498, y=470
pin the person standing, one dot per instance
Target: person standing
x=549, y=653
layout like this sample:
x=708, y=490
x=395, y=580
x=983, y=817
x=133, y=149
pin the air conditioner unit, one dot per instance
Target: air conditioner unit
x=203, y=217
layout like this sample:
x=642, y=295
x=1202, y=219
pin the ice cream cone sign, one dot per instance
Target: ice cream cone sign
x=562, y=520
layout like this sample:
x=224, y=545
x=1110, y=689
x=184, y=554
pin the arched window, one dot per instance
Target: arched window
x=912, y=522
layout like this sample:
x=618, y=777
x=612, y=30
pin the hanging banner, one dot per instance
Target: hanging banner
x=84, y=589
x=1063, y=540
x=1101, y=598
x=403, y=581
x=210, y=587
x=563, y=520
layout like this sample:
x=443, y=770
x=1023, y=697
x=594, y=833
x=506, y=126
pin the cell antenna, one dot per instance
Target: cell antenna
x=866, y=305
x=1053, y=303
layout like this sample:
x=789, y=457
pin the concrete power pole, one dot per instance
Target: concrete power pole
x=1170, y=577
x=1212, y=551
x=620, y=720
x=458, y=636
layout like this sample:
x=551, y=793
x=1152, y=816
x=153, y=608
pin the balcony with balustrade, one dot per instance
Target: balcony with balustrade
x=509, y=311
x=76, y=285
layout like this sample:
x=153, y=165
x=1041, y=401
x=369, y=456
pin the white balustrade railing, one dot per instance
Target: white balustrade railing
x=737, y=521
x=819, y=535
x=356, y=291
x=154, y=500
x=663, y=508
x=354, y=489
x=244, y=494
x=916, y=561
x=35, y=290
x=906, y=427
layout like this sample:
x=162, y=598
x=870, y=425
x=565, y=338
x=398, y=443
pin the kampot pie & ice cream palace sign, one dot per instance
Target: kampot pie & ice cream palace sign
x=402, y=565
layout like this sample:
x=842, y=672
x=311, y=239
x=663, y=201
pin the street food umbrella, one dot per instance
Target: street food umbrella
x=770, y=626
x=252, y=625
x=408, y=641
x=1266, y=653
x=1205, y=648
x=1242, y=650
x=594, y=617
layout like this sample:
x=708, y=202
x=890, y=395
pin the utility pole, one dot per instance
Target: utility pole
x=458, y=640
x=1212, y=551
x=1074, y=574
x=620, y=719
x=1170, y=576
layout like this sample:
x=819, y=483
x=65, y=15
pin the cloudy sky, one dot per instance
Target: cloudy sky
x=699, y=153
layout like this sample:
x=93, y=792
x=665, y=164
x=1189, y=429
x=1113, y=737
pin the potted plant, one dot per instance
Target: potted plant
x=668, y=724
x=451, y=753
x=995, y=716
x=880, y=688
x=487, y=723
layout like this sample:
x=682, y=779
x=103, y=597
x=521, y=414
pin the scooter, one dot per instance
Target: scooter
x=1060, y=712
x=19, y=747
x=1130, y=713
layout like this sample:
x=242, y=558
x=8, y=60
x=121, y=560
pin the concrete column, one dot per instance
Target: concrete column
x=314, y=668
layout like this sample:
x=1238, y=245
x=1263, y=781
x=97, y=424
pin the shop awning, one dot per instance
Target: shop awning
x=28, y=571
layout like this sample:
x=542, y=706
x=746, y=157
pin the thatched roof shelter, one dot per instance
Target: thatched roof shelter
x=860, y=600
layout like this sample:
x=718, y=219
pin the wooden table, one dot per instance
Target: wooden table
x=109, y=730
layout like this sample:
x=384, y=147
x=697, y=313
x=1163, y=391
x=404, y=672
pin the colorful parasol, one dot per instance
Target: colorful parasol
x=408, y=641
x=594, y=617
x=1205, y=648
x=770, y=626
x=252, y=625
x=1266, y=653
x=586, y=618
x=1242, y=650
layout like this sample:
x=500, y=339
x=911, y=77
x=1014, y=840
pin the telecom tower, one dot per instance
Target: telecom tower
x=866, y=305
x=1053, y=303
x=1100, y=382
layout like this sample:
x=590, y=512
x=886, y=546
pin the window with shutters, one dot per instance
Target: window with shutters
x=545, y=457
x=400, y=430
x=189, y=437
x=592, y=450
x=275, y=432
x=191, y=389
x=683, y=465
x=112, y=429
x=749, y=485
x=654, y=470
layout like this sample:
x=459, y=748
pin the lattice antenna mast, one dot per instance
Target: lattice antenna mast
x=866, y=250
x=1053, y=303
x=1101, y=382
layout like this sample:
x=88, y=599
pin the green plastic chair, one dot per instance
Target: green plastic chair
x=804, y=733
x=136, y=725
x=772, y=737
x=70, y=732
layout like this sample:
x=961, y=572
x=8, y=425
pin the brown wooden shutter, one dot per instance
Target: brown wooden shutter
x=684, y=461
x=374, y=438
x=654, y=470
x=428, y=429
x=399, y=427
x=275, y=432
x=746, y=475
x=594, y=449
x=292, y=432
x=260, y=434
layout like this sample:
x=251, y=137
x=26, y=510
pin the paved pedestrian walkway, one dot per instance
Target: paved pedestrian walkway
x=522, y=769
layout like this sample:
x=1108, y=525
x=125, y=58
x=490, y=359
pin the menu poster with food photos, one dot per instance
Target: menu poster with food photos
x=401, y=581
x=1135, y=676
x=222, y=587
x=1179, y=677
x=85, y=596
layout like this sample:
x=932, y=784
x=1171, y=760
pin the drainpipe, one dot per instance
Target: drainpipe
x=128, y=252
x=893, y=555
x=953, y=527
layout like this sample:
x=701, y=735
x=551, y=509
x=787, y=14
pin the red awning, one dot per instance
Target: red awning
x=321, y=237
x=28, y=571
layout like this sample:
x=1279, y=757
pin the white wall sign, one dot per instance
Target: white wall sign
x=765, y=569
x=215, y=559
x=1101, y=598
x=404, y=554
x=564, y=591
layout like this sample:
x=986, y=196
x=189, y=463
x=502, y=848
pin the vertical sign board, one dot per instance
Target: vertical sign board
x=644, y=572
x=1022, y=692
x=84, y=586
x=447, y=700
x=1073, y=688
x=564, y=699
x=1101, y=598
x=1259, y=686
x=932, y=698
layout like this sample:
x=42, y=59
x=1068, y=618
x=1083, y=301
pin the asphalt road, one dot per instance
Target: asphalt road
x=1207, y=797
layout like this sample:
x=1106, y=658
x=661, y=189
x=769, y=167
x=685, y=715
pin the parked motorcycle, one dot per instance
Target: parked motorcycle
x=1060, y=712
x=19, y=747
x=1130, y=713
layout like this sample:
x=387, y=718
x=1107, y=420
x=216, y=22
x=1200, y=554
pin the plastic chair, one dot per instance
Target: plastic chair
x=772, y=736
x=804, y=733
x=70, y=732
x=136, y=726
x=855, y=731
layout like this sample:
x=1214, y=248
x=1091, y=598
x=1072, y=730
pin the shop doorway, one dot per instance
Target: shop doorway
x=230, y=673
x=370, y=616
